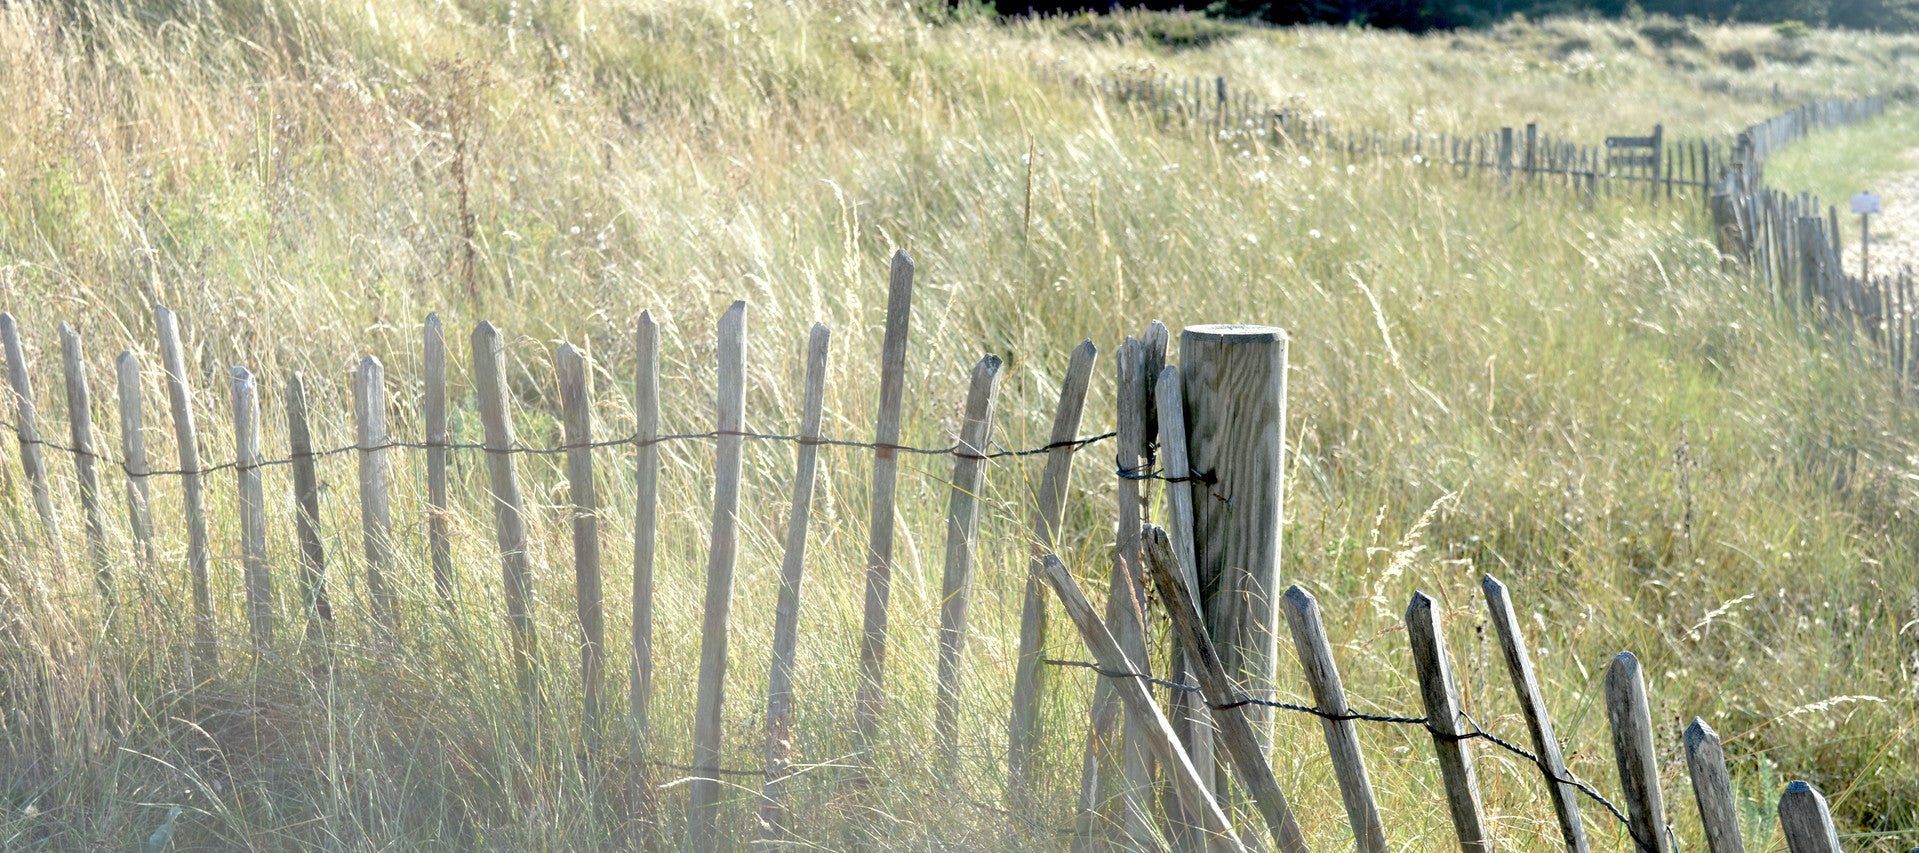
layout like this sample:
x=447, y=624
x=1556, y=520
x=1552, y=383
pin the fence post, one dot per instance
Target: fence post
x=702, y=830
x=1505, y=157
x=1234, y=380
x=28, y=427
x=206, y=648
x=646, y=475
x=1631, y=719
x=1712, y=788
x=886, y=471
x=133, y=452
x=1028, y=681
x=1441, y=697
x=1127, y=588
x=786, y=619
x=1532, y=152
x=80, y=429
x=962, y=531
x=569, y=367
x=1532, y=706
x=1806, y=822
x=253, y=509
x=1191, y=719
x=376, y=513
x=509, y=510
x=306, y=511
x=1242, y=742
x=439, y=546
x=1189, y=787
x=1342, y=737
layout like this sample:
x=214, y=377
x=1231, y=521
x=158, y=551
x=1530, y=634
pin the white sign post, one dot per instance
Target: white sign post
x=1865, y=204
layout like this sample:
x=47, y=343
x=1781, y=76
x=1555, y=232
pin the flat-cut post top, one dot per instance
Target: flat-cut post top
x=1233, y=333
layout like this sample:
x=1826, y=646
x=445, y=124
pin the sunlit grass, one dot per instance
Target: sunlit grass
x=1639, y=447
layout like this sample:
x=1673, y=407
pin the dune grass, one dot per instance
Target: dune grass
x=1585, y=402
x=1849, y=160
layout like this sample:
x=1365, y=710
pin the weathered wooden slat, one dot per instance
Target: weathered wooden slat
x=1440, y=694
x=1532, y=705
x=180, y=400
x=1190, y=718
x=133, y=452
x=871, y=694
x=646, y=521
x=1342, y=737
x=27, y=424
x=1028, y=680
x=964, y=500
x=1192, y=791
x=1712, y=788
x=376, y=479
x=1243, y=743
x=314, y=604
x=702, y=831
x=439, y=545
x=1806, y=821
x=1632, y=735
x=569, y=366
x=80, y=434
x=774, y=817
x=509, y=508
x=253, y=509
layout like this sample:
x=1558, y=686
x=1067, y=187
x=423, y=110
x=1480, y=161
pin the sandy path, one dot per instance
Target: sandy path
x=1895, y=229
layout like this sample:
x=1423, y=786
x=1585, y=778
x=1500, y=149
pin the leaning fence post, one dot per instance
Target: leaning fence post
x=376, y=513
x=1631, y=719
x=786, y=616
x=1242, y=742
x=509, y=510
x=1028, y=682
x=1533, y=707
x=886, y=471
x=1192, y=791
x=1441, y=696
x=962, y=531
x=28, y=426
x=133, y=450
x=702, y=831
x=1806, y=822
x=1712, y=788
x=80, y=429
x=1235, y=416
x=180, y=399
x=1342, y=737
x=569, y=365
x=253, y=509
x=306, y=510
x=438, y=544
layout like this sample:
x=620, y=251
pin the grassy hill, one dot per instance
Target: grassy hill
x=1582, y=401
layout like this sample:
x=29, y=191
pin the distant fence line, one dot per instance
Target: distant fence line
x=1170, y=426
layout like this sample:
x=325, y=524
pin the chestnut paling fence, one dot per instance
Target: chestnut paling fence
x=1207, y=434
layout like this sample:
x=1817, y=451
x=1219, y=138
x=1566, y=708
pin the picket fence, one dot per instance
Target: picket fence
x=1209, y=431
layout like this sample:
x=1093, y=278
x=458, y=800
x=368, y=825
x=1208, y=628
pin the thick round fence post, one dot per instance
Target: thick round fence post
x=1712, y=787
x=376, y=511
x=509, y=509
x=27, y=425
x=306, y=511
x=703, y=808
x=786, y=612
x=253, y=508
x=1441, y=696
x=1235, y=405
x=1342, y=737
x=576, y=412
x=1632, y=743
x=1806, y=822
x=206, y=652
x=1532, y=706
x=80, y=429
x=962, y=531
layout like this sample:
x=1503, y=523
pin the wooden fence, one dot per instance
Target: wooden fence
x=1664, y=165
x=1209, y=431
x=1790, y=243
